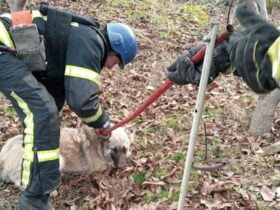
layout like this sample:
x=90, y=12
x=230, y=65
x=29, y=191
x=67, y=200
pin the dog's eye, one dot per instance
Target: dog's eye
x=124, y=150
x=115, y=150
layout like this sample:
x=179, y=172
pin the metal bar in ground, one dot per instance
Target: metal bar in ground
x=210, y=42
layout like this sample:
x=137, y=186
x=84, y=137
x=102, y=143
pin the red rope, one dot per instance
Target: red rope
x=196, y=59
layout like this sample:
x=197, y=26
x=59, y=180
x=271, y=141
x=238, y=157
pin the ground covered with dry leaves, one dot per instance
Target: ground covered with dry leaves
x=152, y=177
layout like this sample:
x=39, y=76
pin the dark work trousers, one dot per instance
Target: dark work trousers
x=38, y=112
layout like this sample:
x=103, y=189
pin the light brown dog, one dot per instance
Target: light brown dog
x=81, y=150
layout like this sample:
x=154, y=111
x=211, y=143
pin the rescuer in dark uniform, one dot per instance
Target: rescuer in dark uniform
x=76, y=51
x=253, y=53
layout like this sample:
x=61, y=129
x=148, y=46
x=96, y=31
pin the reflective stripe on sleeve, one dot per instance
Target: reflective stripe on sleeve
x=75, y=24
x=84, y=73
x=257, y=65
x=274, y=57
x=38, y=14
x=5, y=37
x=94, y=117
x=6, y=15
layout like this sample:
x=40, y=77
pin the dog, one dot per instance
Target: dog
x=81, y=150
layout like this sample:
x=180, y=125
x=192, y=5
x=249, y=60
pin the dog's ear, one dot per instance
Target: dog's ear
x=129, y=134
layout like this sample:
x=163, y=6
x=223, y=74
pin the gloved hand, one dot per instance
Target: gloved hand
x=181, y=71
x=251, y=50
x=99, y=132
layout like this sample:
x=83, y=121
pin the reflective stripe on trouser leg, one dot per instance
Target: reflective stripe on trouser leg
x=28, y=140
x=37, y=110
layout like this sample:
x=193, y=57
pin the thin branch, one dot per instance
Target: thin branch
x=213, y=167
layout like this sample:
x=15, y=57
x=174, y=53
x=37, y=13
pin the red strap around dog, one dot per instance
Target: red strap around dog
x=21, y=18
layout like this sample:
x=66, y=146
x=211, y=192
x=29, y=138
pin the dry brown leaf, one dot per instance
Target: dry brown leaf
x=211, y=205
x=267, y=193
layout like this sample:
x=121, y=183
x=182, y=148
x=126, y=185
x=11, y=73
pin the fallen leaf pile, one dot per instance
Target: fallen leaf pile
x=249, y=177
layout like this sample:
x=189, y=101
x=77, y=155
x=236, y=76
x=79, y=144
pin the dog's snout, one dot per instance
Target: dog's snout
x=118, y=156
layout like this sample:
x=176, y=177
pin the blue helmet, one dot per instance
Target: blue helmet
x=123, y=41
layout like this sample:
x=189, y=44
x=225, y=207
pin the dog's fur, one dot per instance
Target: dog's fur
x=80, y=151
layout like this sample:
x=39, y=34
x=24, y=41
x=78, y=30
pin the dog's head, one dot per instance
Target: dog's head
x=116, y=150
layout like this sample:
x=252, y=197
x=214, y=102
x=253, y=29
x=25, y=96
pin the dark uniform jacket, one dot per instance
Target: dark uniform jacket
x=84, y=58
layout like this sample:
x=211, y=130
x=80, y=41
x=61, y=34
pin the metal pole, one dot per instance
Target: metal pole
x=210, y=41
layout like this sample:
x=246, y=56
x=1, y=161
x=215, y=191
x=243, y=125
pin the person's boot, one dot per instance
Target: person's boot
x=27, y=202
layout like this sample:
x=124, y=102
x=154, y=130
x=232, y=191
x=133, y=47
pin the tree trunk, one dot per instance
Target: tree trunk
x=262, y=119
x=263, y=9
x=3, y=6
x=16, y=5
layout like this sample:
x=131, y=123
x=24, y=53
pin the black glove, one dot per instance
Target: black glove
x=249, y=50
x=182, y=71
x=99, y=131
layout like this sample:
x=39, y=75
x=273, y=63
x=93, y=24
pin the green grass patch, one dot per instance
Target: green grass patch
x=273, y=4
x=217, y=152
x=137, y=119
x=171, y=122
x=212, y=113
x=84, y=206
x=193, y=175
x=184, y=138
x=272, y=163
x=178, y=156
x=234, y=189
x=169, y=195
x=159, y=15
x=200, y=153
x=215, y=149
x=163, y=130
x=276, y=180
x=151, y=130
x=174, y=124
x=233, y=152
x=160, y=173
x=115, y=107
x=265, y=207
x=196, y=13
x=138, y=177
x=9, y=111
x=235, y=167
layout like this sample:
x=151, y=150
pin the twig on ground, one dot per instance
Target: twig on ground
x=213, y=167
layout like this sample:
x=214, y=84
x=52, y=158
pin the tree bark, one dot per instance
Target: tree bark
x=16, y=5
x=3, y=6
x=263, y=9
x=262, y=119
